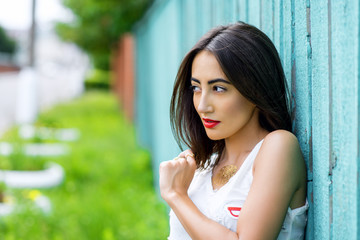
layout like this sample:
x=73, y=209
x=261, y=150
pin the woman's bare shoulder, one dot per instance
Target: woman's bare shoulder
x=281, y=137
x=281, y=141
x=281, y=148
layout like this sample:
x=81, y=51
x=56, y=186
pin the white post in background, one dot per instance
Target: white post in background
x=32, y=35
x=27, y=95
x=27, y=102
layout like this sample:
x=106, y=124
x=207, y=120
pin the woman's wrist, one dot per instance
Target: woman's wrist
x=173, y=197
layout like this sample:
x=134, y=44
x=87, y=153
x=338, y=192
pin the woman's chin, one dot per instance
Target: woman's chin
x=214, y=137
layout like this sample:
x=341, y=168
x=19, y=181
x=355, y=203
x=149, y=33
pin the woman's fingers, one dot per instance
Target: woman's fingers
x=190, y=158
x=186, y=153
x=177, y=174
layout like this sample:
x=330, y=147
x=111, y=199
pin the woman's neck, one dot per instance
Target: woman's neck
x=238, y=146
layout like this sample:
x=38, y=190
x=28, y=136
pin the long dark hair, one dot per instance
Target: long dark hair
x=251, y=63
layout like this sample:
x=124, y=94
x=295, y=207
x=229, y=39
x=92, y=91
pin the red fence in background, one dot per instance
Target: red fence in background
x=123, y=79
x=8, y=68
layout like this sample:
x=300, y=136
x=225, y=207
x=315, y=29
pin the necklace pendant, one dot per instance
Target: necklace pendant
x=224, y=175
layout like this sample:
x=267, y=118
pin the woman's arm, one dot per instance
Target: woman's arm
x=278, y=171
x=175, y=178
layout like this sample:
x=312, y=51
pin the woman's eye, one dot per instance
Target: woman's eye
x=219, y=89
x=195, y=88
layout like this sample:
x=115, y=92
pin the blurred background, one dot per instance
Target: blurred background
x=30, y=46
x=85, y=89
x=70, y=166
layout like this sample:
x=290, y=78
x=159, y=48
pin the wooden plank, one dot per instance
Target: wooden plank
x=344, y=48
x=190, y=26
x=142, y=96
x=358, y=125
x=254, y=12
x=204, y=10
x=156, y=73
x=267, y=18
x=230, y=11
x=301, y=86
x=286, y=48
x=320, y=119
x=277, y=24
x=301, y=82
x=236, y=10
x=218, y=12
x=243, y=10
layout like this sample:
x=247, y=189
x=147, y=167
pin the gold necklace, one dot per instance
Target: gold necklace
x=224, y=175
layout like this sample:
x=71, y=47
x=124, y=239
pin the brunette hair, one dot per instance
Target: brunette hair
x=251, y=63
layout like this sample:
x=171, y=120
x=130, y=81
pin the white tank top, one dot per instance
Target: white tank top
x=224, y=205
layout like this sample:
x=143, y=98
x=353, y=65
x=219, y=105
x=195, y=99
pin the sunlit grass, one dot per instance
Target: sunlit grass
x=108, y=191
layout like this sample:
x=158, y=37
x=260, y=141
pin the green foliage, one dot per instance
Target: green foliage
x=98, y=79
x=19, y=161
x=2, y=186
x=48, y=121
x=99, y=24
x=7, y=44
x=108, y=192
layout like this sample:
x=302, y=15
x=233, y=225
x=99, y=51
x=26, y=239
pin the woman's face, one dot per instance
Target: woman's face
x=223, y=110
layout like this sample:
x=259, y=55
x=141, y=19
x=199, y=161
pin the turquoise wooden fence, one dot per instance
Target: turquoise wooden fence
x=318, y=41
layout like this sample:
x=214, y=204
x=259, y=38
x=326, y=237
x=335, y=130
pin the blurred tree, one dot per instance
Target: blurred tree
x=7, y=44
x=99, y=24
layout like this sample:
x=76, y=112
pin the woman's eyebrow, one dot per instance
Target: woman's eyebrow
x=212, y=81
x=195, y=80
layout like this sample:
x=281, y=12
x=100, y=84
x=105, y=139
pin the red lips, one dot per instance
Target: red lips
x=210, y=123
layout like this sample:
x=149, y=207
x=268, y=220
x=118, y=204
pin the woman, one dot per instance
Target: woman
x=244, y=177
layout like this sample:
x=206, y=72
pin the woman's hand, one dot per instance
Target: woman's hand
x=175, y=178
x=176, y=175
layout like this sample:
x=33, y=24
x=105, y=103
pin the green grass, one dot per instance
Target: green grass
x=108, y=191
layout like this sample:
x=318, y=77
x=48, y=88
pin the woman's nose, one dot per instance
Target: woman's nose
x=204, y=104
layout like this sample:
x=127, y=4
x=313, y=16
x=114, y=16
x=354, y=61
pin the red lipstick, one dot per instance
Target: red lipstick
x=209, y=123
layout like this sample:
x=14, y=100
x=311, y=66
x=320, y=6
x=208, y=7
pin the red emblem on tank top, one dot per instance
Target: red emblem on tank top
x=234, y=211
